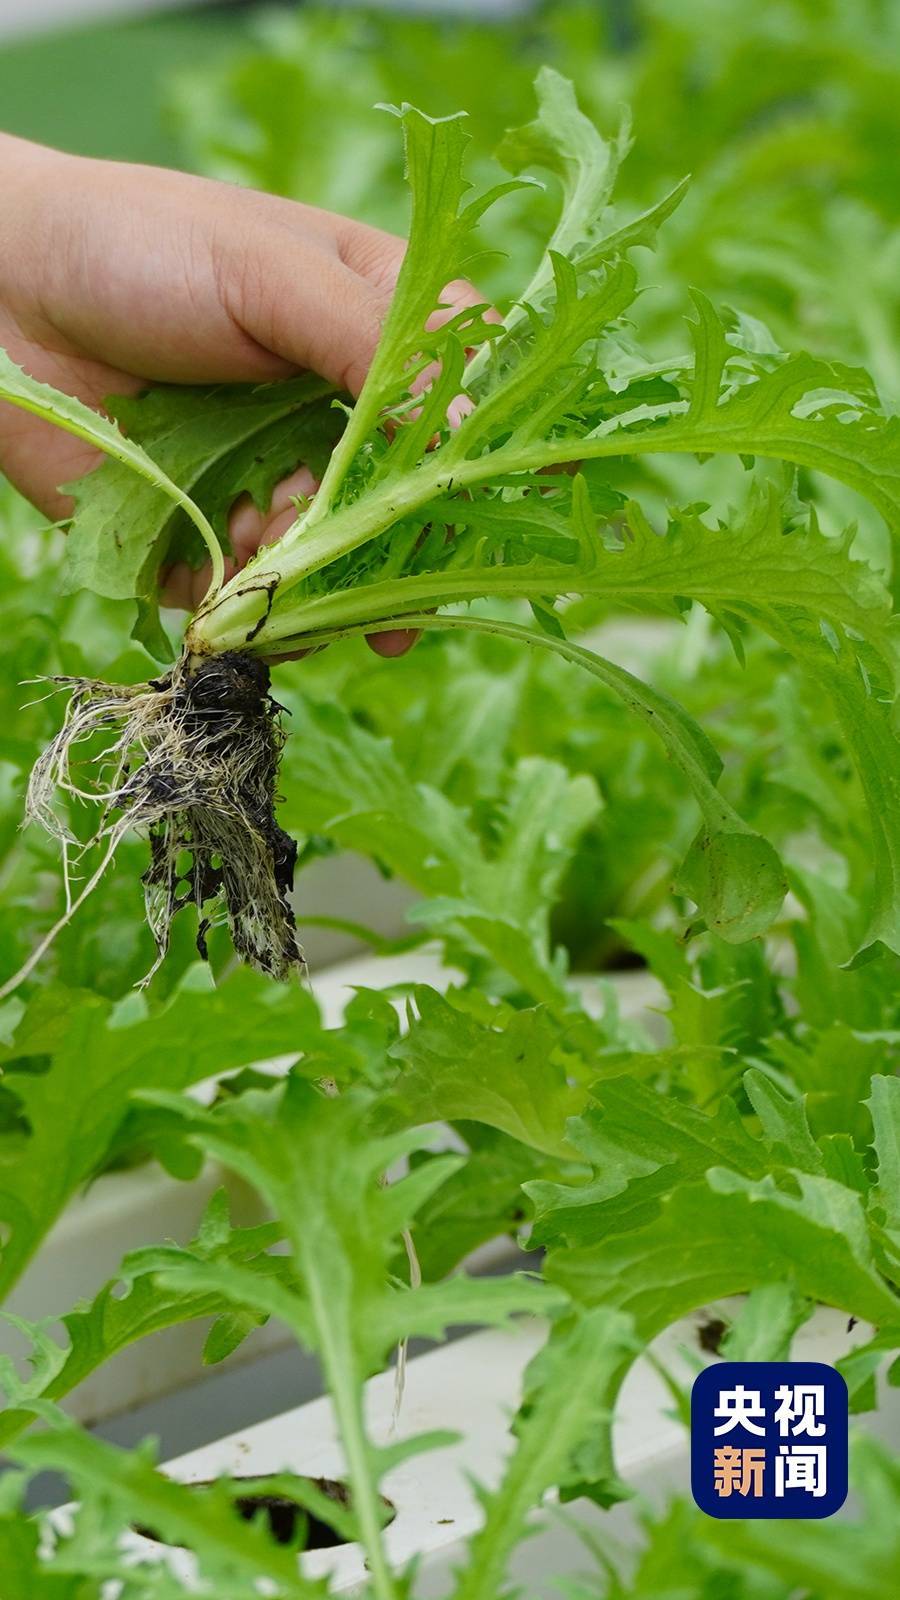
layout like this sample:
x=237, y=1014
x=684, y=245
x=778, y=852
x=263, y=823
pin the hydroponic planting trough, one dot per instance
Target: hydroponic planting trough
x=473, y=1387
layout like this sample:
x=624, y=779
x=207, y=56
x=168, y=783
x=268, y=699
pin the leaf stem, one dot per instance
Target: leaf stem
x=314, y=542
x=685, y=743
x=346, y=1397
x=72, y=416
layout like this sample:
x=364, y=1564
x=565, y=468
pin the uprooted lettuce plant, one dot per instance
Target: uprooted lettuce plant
x=415, y=515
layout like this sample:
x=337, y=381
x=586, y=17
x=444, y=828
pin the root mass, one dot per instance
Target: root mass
x=191, y=761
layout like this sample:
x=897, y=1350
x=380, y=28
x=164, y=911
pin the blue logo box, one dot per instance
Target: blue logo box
x=769, y=1439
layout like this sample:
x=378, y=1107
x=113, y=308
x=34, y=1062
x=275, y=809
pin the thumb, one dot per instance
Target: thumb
x=300, y=301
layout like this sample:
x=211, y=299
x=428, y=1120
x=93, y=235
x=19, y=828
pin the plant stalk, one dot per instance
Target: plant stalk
x=346, y=1397
x=253, y=611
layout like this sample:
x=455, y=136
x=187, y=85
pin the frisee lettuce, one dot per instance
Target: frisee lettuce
x=399, y=527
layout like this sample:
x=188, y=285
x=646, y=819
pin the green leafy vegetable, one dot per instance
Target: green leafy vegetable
x=260, y=436
x=64, y=412
x=317, y=1161
x=73, y=1062
x=398, y=526
x=113, y=1320
x=456, y=1067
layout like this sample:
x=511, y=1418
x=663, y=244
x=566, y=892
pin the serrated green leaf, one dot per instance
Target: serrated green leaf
x=130, y=1307
x=563, y=1431
x=75, y=417
x=95, y=1060
x=204, y=1522
x=455, y=1067
x=744, y=892
x=349, y=786
x=218, y=442
x=640, y=1145
x=562, y=140
x=784, y=1124
x=884, y=1105
x=815, y=1239
x=765, y=1325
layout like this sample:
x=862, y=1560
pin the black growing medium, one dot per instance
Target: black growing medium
x=227, y=710
x=191, y=761
x=287, y=1521
x=710, y=1335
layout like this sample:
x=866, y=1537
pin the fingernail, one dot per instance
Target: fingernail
x=395, y=642
x=459, y=408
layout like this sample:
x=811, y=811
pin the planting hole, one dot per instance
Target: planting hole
x=285, y=1516
x=710, y=1334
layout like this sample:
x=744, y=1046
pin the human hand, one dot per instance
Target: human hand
x=113, y=276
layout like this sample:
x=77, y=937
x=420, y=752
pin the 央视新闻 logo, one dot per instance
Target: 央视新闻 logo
x=769, y=1439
